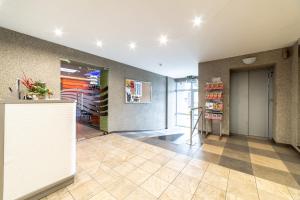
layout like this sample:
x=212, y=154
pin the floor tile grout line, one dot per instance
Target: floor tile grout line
x=152, y=174
x=257, y=188
x=290, y=193
x=200, y=181
x=172, y=181
x=92, y=178
x=71, y=195
x=213, y=185
x=250, y=159
x=227, y=185
x=104, y=189
x=287, y=167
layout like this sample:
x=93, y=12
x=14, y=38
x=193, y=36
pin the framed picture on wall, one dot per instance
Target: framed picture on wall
x=137, y=91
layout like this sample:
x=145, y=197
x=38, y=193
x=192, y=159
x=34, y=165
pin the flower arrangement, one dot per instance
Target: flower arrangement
x=37, y=88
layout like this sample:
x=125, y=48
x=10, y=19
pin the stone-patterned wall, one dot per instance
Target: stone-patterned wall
x=295, y=94
x=40, y=59
x=298, y=136
x=281, y=84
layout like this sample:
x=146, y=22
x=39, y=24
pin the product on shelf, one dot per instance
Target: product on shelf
x=213, y=116
x=214, y=86
x=214, y=99
x=209, y=105
x=214, y=106
x=220, y=95
x=214, y=95
x=218, y=106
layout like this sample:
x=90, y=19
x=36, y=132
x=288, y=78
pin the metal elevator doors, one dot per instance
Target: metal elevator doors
x=251, y=102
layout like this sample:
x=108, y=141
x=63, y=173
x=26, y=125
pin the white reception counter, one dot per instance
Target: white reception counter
x=37, y=147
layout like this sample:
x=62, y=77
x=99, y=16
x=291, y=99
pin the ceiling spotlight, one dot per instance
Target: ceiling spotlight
x=58, y=32
x=68, y=70
x=65, y=60
x=163, y=39
x=197, y=21
x=99, y=43
x=132, y=45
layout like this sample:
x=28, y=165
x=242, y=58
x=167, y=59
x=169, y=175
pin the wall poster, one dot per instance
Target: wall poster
x=137, y=91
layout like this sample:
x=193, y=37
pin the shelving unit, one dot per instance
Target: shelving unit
x=214, y=105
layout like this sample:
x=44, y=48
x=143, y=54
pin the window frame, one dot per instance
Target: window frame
x=192, y=90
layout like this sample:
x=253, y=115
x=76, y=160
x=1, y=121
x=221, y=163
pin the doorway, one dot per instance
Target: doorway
x=186, y=98
x=87, y=85
x=251, y=102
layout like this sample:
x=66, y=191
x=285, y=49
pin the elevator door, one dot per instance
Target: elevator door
x=258, y=103
x=249, y=103
x=239, y=103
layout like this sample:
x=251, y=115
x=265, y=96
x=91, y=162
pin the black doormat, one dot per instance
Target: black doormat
x=171, y=138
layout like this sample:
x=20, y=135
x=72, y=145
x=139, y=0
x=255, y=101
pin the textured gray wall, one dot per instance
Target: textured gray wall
x=136, y=116
x=295, y=97
x=281, y=83
x=40, y=59
x=298, y=135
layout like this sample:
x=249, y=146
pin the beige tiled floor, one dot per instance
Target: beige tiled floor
x=85, y=132
x=113, y=167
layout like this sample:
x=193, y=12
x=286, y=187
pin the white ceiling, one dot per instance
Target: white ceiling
x=230, y=28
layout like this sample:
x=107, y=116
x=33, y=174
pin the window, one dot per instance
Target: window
x=183, y=85
x=186, y=98
x=183, y=101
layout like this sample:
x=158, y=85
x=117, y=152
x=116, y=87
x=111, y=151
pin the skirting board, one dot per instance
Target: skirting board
x=43, y=192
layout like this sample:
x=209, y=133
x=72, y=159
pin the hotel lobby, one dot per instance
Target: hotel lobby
x=150, y=100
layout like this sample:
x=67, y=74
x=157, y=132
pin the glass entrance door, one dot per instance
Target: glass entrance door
x=186, y=98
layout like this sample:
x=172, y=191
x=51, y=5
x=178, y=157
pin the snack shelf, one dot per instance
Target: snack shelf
x=214, y=106
x=214, y=86
x=214, y=111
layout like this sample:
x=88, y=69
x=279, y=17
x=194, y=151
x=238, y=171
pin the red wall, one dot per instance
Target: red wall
x=74, y=84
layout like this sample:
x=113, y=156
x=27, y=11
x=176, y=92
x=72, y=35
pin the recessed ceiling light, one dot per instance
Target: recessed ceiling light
x=99, y=43
x=68, y=70
x=58, y=32
x=65, y=60
x=132, y=45
x=163, y=39
x=197, y=21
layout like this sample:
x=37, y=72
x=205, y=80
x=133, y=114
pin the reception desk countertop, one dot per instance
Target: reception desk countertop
x=34, y=101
